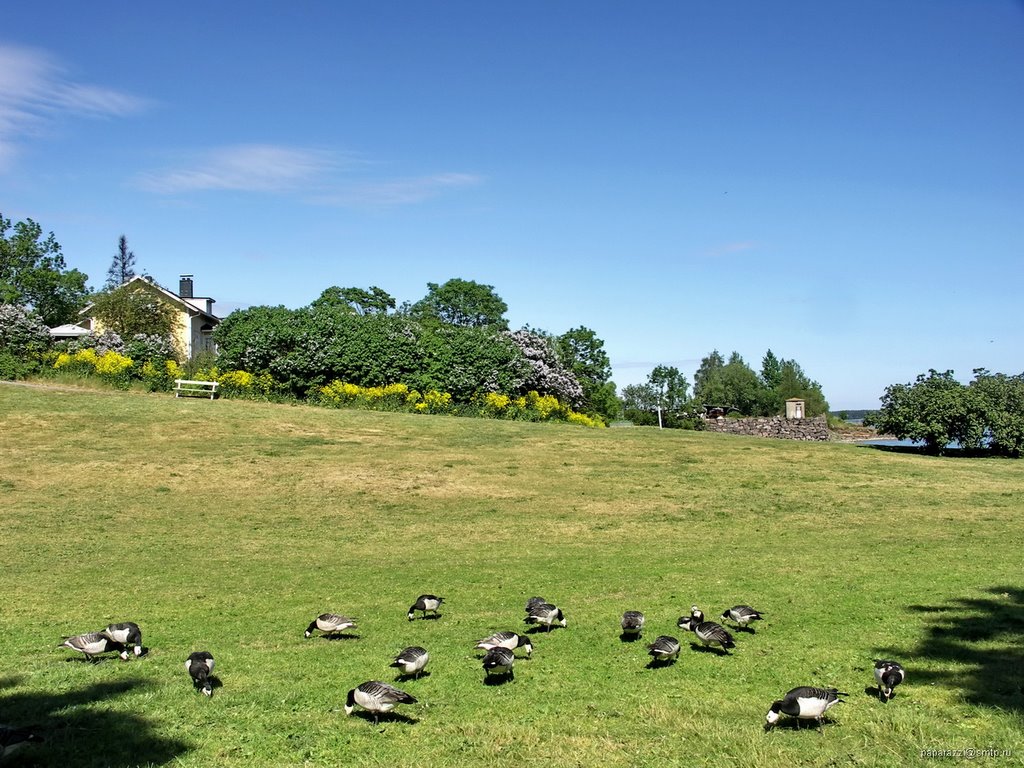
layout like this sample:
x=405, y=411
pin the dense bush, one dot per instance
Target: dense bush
x=308, y=348
x=23, y=339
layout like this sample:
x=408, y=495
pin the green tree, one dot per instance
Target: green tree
x=936, y=410
x=360, y=301
x=1001, y=399
x=743, y=388
x=122, y=269
x=462, y=302
x=33, y=273
x=131, y=310
x=707, y=386
x=640, y=404
x=771, y=370
x=582, y=352
x=671, y=387
x=793, y=382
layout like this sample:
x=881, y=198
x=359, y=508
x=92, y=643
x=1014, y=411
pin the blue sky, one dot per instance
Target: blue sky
x=841, y=183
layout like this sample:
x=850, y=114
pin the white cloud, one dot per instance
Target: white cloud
x=35, y=91
x=245, y=168
x=396, y=192
x=313, y=174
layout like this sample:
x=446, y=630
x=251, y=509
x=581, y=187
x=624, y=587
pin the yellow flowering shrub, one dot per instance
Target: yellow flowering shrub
x=435, y=402
x=111, y=364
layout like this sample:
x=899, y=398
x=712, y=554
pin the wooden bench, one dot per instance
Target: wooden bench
x=195, y=388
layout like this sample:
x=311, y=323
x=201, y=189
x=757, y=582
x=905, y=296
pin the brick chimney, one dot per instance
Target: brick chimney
x=185, y=287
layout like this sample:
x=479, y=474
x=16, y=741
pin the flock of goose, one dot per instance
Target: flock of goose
x=377, y=697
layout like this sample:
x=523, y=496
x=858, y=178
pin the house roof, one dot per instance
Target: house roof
x=69, y=329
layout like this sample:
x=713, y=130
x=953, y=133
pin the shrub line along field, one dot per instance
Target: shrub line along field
x=228, y=526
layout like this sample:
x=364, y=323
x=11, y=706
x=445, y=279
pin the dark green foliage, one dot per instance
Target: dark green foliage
x=252, y=339
x=33, y=273
x=793, y=382
x=1001, y=399
x=582, y=352
x=461, y=302
x=936, y=410
x=771, y=370
x=374, y=301
x=469, y=360
x=734, y=384
x=327, y=341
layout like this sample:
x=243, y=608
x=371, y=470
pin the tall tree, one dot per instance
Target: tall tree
x=33, y=273
x=670, y=385
x=707, y=381
x=936, y=410
x=582, y=352
x=793, y=382
x=771, y=370
x=462, y=302
x=122, y=268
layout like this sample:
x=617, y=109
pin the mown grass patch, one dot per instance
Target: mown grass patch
x=227, y=526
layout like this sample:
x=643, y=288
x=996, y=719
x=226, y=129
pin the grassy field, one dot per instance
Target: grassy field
x=227, y=526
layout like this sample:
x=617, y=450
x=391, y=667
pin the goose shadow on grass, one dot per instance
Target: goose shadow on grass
x=77, y=734
x=499, y=679
x=798, y=724
x=709, y=649
x=339, y=636
x=403, y=678
x=385, y=717
x=660, y=663
x=975, y=644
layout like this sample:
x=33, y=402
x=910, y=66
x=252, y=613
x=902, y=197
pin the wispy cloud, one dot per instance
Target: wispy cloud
x=397, y=192
x=35, y=91
x=318, y=176
x=245, y=168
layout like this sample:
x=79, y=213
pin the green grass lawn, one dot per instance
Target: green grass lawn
x=228, y=526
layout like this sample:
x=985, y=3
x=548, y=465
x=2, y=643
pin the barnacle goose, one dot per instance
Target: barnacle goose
x=805, y=702
x=93, y=643
x=510, y=640
x=534, y=601
x=545, y=614
x=425, y=603
x=742, y=615
x=199, y=665
x=329, y=623
x=889, y=674
x=126, y=633
x=499, y=661
x=411, y=660
x=376, y=697
x=664, y=649
x=708, y=632
x=632, y=624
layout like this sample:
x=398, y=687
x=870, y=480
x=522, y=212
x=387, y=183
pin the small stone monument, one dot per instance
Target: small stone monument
x=794, y=408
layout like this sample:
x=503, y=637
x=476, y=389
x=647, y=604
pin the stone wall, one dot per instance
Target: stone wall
x=815, y=428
